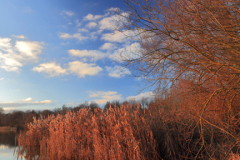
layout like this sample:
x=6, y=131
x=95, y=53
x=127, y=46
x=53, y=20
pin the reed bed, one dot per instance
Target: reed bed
x=130, y=133
x=120, y=133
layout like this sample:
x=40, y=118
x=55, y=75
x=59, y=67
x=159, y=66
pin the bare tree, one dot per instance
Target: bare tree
x=197, y=40
x=189, y=48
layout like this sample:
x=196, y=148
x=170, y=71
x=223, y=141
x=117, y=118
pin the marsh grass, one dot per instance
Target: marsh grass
x=115, y=134
x=128, y=133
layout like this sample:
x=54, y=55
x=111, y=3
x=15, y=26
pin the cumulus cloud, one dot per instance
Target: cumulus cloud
x=8, y=63
x=117, y=71
x=108, y=46
x=78, y=68
x=117, y=36
x=12, y=58
x=69, y=36
x=108, y=23
x=132, y=51
x=140, y=96
x=104, y=96
x=28, y=50
x=27, y=99
x=91, y=17
x=82, y=69
x=69, y=13
x=93, y=54
x=113, y=21
x=19, y=36
x=91, y=25
x=52, y=69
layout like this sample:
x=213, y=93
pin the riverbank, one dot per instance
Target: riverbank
x=8, y=129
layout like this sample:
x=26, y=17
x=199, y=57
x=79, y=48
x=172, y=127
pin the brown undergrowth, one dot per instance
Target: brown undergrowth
x=129, y=132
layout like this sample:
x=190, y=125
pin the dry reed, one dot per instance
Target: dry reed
x=129, y=133
x=120, y=133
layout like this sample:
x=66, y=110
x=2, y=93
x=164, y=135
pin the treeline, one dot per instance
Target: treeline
x=20, y=119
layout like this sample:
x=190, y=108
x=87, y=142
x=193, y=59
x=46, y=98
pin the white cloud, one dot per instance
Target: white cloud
x=91, y=25
x=91, y=17
x=93, y=54
x=52, y=69
x=1, y=79
x=117, y=71
x=113, y=21
x=132, y=51
x=69, y=13
x=113, y=9
x=45, y=102
x=69, y=36
x=82, y=69
x=108, y=46
x=28, y=50
x=105, y=96
x=12, y=58
x=9, y=105
x=78, y=68
x=8, y=56
x=27, y=99
x=108, y=22
x=5, y=45
x=117, y=36
x=8, y=63
x=140, y=96
x=82, y=30
x=19, y=36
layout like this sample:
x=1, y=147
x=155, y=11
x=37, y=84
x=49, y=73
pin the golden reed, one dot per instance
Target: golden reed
x=120, y=133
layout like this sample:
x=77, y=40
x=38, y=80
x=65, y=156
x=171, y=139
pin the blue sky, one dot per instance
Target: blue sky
x=63, y=52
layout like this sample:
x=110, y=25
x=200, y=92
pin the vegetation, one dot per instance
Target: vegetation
x=162, y=131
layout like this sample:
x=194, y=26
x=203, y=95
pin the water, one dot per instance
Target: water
x=7, y=146
x=6, y=153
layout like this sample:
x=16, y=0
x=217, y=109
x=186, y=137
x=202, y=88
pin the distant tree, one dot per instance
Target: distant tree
x=106, y=106
x=93, y=105
x=46, y=113
x=83, y=105
x=144, y=101
x=64, y=109
x=114, y=104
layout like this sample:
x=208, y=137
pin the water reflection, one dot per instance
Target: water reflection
x=7, y=139
x=7, y=146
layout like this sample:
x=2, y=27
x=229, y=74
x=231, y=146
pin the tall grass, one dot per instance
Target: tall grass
x=128, y=133
x=120, y=133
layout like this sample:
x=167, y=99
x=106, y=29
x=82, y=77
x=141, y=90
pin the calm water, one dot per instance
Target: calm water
x=7, y=146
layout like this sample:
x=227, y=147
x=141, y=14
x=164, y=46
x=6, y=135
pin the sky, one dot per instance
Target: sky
x=63, y=52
